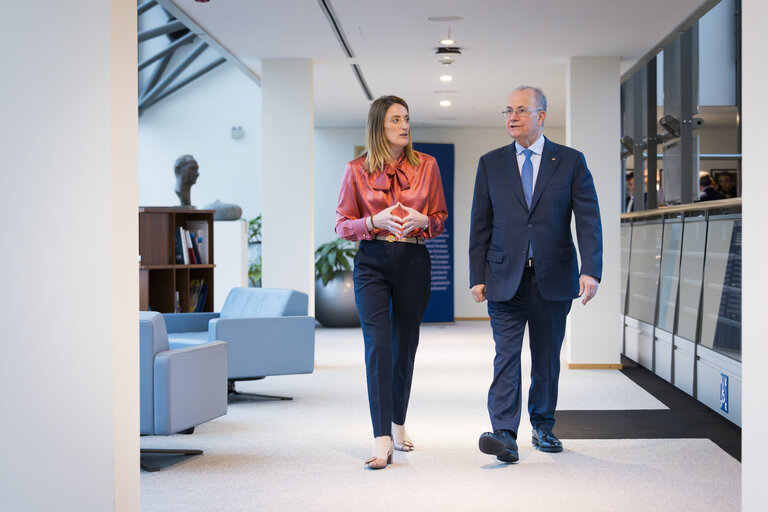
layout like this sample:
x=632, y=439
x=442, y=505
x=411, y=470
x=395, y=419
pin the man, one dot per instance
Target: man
x=707, y=190
x=522, y=259
x=629, y=205
x=727, y=185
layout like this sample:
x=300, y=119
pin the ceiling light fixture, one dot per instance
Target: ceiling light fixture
x=448, y=40
x=446, y=78
x=445, y=18
x=447, y=54
x=445, y=103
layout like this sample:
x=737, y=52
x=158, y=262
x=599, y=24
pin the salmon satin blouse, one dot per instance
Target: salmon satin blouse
x=363, y=195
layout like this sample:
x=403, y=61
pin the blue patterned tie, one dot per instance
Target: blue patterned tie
x=527, y=176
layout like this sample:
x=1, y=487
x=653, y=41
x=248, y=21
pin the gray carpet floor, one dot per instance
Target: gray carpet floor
x=308, y=453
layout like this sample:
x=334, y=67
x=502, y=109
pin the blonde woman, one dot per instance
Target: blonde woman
x=391, y=199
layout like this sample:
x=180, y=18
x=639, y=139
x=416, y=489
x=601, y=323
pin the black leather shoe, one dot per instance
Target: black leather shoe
x=500, y=443
x=544, y=440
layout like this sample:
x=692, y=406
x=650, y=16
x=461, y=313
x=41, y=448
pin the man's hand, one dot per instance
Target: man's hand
x=587, y=287
x=478, y=292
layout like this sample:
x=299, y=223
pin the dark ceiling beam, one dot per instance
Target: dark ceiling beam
x=183, y=83
x=156, y=74
x=146, y=6
x=169, y=28
x=166, y=81
x=170, y=49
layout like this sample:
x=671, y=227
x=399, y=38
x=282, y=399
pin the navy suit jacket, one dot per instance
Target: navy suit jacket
x=502, y=225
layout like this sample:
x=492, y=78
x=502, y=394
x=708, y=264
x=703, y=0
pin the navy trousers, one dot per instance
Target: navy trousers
x=546, y=328
x=392, y=284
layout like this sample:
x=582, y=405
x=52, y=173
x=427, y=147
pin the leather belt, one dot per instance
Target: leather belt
x=393, y=238
x=529, y=263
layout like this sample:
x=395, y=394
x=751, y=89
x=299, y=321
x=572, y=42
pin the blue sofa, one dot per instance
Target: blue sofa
x=267, y=330
x=180, y=388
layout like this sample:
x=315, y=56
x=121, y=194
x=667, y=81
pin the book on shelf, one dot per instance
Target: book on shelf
x=193, y=256
x=177, y=306
x=195, y=288
x=184, y=245
x=200, y=228
x=179, y=249
x=203, y=297
x=199, y=238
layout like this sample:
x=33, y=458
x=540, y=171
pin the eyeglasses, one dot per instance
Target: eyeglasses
x=520, y=112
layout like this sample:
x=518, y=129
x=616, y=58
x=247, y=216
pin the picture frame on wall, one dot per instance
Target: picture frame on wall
x=727, y=181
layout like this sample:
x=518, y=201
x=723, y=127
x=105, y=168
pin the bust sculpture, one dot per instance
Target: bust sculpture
x=185, y=168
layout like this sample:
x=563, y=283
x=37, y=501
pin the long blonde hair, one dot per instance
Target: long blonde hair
x=376, y=145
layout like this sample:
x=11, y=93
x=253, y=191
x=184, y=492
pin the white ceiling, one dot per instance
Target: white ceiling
x=504, y=43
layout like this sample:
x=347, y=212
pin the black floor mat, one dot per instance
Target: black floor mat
x=685, y=418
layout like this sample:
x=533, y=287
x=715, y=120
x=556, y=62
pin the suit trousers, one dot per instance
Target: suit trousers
x=392, y=284
x=546, y=328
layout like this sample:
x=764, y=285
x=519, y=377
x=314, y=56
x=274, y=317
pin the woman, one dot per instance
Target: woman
x=391, y=199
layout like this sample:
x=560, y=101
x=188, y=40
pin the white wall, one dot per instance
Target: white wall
x=593, y=118
x=334, y=147
x=288, y=231
x=197, y=120
x=69, y=433
x=755, y=281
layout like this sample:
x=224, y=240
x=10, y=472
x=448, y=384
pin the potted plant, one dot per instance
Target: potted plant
x=334, y=287
x=254, y=252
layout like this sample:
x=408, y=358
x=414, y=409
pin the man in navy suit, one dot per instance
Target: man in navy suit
x=523, y=260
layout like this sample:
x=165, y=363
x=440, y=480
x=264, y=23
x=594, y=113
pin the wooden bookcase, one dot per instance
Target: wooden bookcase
x=160, y=277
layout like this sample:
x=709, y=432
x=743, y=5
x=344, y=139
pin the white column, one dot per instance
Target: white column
x=69, y=376
x=754, y=277
x=592, y=125
x=288, y=177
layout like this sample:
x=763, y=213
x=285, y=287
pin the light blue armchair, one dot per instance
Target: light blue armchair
x=267, y=331
x=179, y=388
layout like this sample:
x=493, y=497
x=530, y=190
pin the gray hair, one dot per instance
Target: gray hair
x=541, y=100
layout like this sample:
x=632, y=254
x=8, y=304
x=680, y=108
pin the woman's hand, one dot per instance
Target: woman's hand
x=385, y=219
x=414, y=220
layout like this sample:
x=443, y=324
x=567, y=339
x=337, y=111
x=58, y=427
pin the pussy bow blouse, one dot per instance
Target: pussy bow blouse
x=363, y=195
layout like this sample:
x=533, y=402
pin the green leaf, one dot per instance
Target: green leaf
x=336, y=255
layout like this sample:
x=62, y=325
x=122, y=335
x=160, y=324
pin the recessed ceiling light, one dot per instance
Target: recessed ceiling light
x=446, y=78
x=445, y=103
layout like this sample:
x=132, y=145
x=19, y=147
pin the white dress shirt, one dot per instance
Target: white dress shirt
x=537, y=147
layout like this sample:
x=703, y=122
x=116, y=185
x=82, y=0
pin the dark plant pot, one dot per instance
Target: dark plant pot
x=335, y=302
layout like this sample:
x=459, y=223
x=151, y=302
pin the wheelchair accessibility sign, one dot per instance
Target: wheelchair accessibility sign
x=723, y=392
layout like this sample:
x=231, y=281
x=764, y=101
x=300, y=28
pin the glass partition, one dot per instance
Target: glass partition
x=644, y=271
x=626, y=233
x=721, y=303
x=691, y=271
x=670, y=274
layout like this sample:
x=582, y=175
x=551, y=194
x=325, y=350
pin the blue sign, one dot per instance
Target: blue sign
x=724, y=392
x=440, y=306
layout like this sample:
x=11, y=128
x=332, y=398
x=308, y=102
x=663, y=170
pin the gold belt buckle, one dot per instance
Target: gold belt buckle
x=391, y=238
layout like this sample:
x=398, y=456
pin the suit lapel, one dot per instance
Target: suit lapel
x=549, y=160
x=514, y=174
